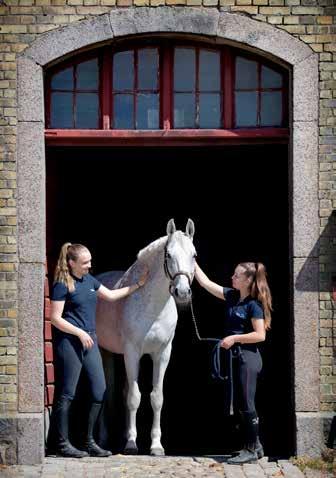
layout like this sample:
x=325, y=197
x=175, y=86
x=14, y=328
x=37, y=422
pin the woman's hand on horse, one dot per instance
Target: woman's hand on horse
x=143, y=278
x=228, y=342
x=86, y=340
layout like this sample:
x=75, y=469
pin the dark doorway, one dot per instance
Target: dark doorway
x=117, y=200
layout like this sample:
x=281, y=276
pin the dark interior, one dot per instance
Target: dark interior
x=118, y=200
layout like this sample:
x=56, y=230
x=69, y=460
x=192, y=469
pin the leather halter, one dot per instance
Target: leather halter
x=179, y=273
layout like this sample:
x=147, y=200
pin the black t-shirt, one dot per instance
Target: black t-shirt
x=80, y=305
x=238, y=314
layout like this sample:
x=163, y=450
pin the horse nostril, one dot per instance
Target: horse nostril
x=176, y=292
x=189, y=291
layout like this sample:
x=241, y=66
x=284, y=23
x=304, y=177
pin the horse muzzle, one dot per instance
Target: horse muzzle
x=180, y=288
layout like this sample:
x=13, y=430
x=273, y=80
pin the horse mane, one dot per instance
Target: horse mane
x=145, y=254
x=146, y=257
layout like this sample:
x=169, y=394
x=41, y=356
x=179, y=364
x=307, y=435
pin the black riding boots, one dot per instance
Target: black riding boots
x=253, y=448
x=91, y=446
x=60, y=423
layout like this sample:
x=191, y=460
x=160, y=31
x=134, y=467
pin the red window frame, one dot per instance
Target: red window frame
x=73, y=63
x=167, y=135
x=259, y=89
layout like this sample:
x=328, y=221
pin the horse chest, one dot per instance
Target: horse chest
x=150, y=338
x=158, y=335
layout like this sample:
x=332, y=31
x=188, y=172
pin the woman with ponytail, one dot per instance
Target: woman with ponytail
x=73, y=307
x=247, y=316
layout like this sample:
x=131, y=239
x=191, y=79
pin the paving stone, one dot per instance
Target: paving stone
x=120, y=466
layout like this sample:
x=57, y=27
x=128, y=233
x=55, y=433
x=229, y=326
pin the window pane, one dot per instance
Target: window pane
x=184, y=69
x=61, y=110
x=184, y=110
x=246, y=109
x=87, y=110
x=63, y=80
x=271, y=108
x=246, y=73
x=209, y=110
x=148, y=69
x=87, y=75
x=270, y=78
x=123, y=111
x=123, y=71
x=147, y=112
x=209, y=70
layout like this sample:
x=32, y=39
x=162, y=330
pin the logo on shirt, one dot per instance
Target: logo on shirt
x=92, y=290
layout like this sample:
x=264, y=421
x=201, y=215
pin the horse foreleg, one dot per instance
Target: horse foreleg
x=132, y=359
x=160, y=363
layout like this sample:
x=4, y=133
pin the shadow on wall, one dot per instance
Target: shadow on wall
x=318, y=274
x=323, y=254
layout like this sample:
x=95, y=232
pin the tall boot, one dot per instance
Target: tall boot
x=91, y=446
x=63, y=446
x=249, y=453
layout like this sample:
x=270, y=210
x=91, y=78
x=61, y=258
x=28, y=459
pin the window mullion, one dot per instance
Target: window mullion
x=227, y=81
x=105, y=90
x=135, y=88
x=197, y=108
x=74, y=72
x=259, y=96
x=166, y=88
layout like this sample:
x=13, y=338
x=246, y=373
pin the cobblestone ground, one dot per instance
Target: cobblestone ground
x=120, y=466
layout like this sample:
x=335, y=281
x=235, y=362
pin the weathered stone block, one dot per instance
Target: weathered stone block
x=305, y=89
x=306, y=335
x=8, y=433
x=78, y=35
x=30, y=324
x=164, y=19
x=30, y=107
x=31, y=192
x=260, y=35
x=310, y=437
x=30, y=444
x=305, y=189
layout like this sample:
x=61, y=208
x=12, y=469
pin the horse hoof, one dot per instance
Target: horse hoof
x=157, y=452
x=131, y=450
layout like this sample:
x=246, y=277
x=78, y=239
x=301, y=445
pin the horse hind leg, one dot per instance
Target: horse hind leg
x=133, y=399
x=160, y=363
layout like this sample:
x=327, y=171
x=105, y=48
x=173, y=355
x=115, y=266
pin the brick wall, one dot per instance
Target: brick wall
x=21, y=21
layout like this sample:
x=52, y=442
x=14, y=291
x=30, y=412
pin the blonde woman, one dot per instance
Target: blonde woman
x=73, y=308
x=247, y=316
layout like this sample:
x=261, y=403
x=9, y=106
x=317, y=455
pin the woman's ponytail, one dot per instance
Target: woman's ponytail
x=62, y=270
x=263, y=292
x=259, y=287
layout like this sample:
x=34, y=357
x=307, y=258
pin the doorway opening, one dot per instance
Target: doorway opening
x=117, y=200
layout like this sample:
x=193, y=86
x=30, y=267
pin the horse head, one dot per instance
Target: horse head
x=179, y=261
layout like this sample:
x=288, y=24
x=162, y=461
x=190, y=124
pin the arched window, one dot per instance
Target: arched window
x=167, y=87
x=74, y=96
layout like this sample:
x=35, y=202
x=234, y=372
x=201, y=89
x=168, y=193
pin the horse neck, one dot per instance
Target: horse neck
x=157, y=277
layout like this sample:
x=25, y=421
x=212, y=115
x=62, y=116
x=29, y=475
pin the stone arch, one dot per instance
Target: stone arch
x=218, y=27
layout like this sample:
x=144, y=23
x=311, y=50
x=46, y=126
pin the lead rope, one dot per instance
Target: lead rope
x=215, y=357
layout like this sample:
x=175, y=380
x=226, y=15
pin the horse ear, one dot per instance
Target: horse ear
x=190, y=228
x=171, y=228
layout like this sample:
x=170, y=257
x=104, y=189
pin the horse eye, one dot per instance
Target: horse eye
x=195, y=255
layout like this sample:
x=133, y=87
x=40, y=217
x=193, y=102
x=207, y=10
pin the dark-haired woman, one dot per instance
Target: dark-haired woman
x=73, y=314
x=248, y=306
